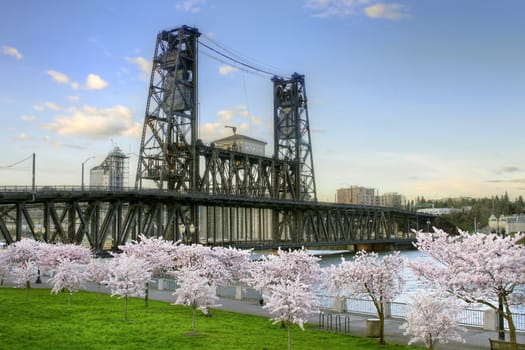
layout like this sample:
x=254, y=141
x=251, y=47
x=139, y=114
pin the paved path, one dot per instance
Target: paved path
x=475, y=338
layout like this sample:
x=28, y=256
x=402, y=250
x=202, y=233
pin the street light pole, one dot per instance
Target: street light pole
x=33, y=181
x=84, y=162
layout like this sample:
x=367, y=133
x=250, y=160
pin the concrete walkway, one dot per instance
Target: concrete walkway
x=475, y=338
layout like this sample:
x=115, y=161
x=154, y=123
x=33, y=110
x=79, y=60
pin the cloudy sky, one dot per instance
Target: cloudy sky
x=424, y=98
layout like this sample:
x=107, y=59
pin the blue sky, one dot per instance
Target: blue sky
x=423, y=98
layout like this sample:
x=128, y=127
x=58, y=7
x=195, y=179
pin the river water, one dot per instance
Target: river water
x=411, y=283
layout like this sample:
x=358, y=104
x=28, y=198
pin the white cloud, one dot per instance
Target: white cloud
x=47, y=105
x=343, y=8
x=96, y=123
x=11, y=51
x=61, y=78
x=58, y=77
x=95, y=82
x=225, y=70
x=27, y=118
x=237, y=116
x=386, y=11
x=192, y=6
x=143, y=64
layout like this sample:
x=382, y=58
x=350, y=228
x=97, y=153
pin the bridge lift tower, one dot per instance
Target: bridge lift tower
x=171, y=153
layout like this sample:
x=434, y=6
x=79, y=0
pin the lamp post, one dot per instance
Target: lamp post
x=182, y=231
x=84, y=162
x=192, y=231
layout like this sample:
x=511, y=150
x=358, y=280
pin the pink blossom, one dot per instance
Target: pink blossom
x=369, y=275
x=194, y=290
x=431, y=317
x=477, y=268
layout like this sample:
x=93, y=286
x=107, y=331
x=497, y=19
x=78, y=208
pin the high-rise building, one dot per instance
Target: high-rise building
x=357, y=195
x=391, y=199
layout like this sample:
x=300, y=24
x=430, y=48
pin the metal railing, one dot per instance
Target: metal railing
x=467, y=317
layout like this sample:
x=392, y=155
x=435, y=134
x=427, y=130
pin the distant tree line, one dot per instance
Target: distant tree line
x=472, y=211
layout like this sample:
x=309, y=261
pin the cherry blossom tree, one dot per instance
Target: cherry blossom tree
x=69, y=275
x=97, y=271
x=286, y=281
x=127, y=277
x=369, y=275
x=235, y=263
x=52, y=255
x=216, y=266
x=476, y=268
x=202, y=259
x=285, y=264
x=23, y=256
x=431, y=317
x=157, y=253
x=23, y=273
x=194, y=290
x=291, y=301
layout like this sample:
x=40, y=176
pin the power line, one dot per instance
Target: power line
x=15, y=164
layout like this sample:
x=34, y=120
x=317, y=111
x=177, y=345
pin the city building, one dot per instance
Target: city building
x=391, y=199
x=356, y=195
x=112, y=173
x=368, y=196
x=241, y=143
x=507, y=224
x=439, y=211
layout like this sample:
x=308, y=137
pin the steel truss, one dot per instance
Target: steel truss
x=105, y=220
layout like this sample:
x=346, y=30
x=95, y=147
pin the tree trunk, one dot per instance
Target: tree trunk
x=381, y=315
x=430, y=341
x=289, y=336
x=510, y=322
x=126, y=309
x=382, y=328
x=193, y=322
x=146, y=295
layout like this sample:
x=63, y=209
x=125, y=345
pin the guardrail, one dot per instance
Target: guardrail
x=328, y=316
x=467, y=317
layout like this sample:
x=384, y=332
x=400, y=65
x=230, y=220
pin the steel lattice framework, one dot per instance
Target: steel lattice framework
x=171, y=155
x=202, y=193
x=292, y=141
x=167, y=150
x=105, y=219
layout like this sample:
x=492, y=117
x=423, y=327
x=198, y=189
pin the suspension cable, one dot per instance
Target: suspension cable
x=237, y=61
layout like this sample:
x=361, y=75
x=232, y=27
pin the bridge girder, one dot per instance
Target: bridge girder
x=105, y=220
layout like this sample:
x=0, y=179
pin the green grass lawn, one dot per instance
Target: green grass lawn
x=44, y=321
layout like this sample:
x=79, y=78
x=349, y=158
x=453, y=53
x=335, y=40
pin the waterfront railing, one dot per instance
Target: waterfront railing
x=335, y=310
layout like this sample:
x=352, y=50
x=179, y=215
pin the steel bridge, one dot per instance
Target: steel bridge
x=105, y=219
x=187, y=190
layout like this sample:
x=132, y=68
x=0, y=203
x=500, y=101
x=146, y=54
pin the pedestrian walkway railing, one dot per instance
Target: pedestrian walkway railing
x=333, y=306
x=468, y=316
